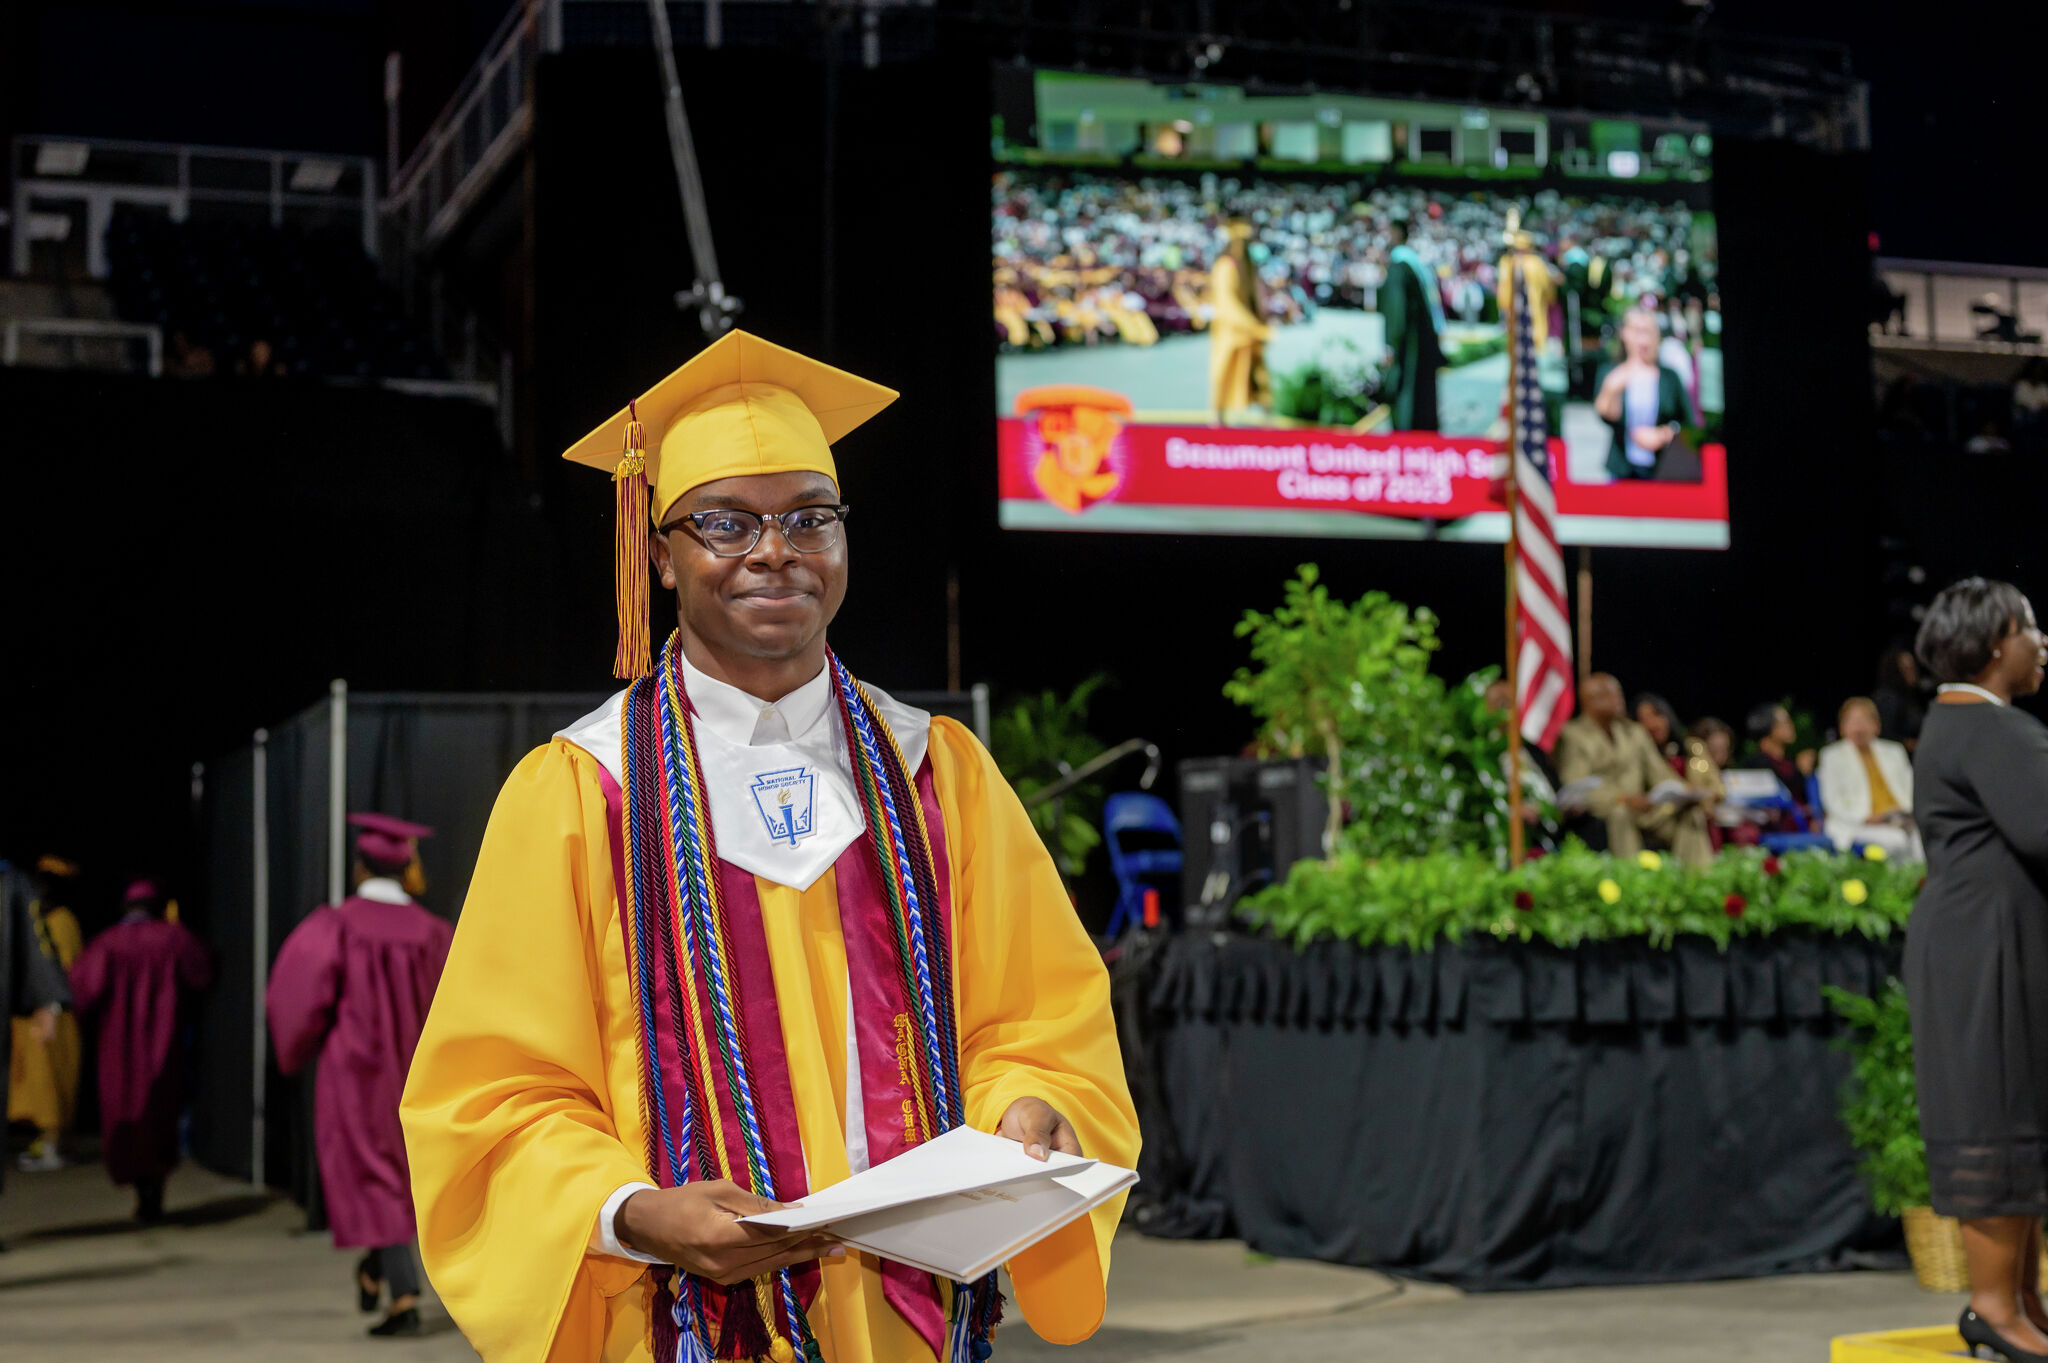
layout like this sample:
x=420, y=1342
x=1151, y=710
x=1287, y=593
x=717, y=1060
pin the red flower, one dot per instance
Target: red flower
x=1771, y=865
x=1734, y=905
x=1534, y=854
x=1524, y=900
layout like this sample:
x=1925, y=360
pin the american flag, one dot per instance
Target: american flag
x=1543, y=681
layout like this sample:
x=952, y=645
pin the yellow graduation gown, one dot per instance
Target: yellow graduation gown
x=42, y=1081
x=522, y=1109
x=1237, y=339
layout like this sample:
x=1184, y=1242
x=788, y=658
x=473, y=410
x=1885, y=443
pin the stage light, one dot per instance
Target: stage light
x=61, y=158
x=1624, y=165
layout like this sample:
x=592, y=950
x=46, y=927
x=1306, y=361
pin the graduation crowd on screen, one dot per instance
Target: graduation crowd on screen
x=351, y=985
x=1081, y=259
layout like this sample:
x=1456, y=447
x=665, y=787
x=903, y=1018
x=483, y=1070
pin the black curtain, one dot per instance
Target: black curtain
x=1507, y=1116
x=439, y=759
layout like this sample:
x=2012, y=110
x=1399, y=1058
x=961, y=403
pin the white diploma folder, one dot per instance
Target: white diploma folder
x=957, y=1205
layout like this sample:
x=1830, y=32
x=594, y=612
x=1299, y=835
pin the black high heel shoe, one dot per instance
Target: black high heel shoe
x=1975, y=1330
x=367, y=1297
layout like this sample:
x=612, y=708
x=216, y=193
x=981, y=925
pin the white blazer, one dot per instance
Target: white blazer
x=1845, y=789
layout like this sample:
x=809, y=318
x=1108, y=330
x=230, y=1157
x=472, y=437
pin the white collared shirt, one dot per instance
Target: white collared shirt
x=752, y=752
x=382, y=890
x=778, y=776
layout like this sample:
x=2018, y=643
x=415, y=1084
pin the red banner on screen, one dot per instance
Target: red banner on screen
x=1411, y=474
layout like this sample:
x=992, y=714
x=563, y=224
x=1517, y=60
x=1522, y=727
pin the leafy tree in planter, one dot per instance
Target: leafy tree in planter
x=1349, y=683
x=1030, y=740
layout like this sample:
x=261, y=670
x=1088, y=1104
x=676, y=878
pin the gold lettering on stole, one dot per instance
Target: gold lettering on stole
x=903, y=1060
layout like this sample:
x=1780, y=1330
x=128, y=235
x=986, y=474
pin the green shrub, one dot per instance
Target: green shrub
x=1034, y=741
x=1879, y=1106
x=1577, y=896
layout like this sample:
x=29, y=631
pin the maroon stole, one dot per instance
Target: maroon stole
x=883, y=1032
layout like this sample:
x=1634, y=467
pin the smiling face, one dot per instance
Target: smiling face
x=765, y=610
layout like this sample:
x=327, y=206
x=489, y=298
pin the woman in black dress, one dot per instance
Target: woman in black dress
x=1977, y=953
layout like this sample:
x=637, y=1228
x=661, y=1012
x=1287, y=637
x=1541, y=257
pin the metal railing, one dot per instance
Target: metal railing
x=1959, y=306
x=483, y=125
x=55, y=174
x=82, y=328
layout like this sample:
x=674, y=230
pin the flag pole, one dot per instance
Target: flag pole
x=1585, y=614
x=1515, y=831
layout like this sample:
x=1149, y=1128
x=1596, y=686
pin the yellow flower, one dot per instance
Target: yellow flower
x=1855, y=891
x=1610, y=892
x=1872, y=852
x=1649, y=861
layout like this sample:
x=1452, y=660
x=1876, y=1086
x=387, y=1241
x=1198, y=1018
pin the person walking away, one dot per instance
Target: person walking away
x=42, y=1081
x=351, y=986
x=1976, y=963
x=137, y=979
x=1413, y=311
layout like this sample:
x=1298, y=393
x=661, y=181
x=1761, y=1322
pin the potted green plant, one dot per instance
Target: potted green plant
x=1036, y=741
x=1882, y=1114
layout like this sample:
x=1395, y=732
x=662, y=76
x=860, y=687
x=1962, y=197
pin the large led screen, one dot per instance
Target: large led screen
x=1282, y=315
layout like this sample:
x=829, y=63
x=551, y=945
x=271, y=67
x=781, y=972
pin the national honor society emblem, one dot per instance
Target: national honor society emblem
x=785, y=800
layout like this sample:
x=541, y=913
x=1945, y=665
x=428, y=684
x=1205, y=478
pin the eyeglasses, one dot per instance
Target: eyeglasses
x=732, y=534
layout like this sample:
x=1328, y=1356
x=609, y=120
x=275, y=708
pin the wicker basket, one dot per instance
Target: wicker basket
x=1935, y=1244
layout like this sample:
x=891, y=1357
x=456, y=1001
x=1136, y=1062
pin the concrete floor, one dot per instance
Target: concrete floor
x=233, y=1280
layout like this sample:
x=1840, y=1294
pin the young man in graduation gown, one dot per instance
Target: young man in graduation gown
x=138, y=978
x=42, y=1083
x=351, y=985
x=748, y=929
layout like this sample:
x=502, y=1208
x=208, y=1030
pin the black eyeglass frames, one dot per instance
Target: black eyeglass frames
x=731, y=534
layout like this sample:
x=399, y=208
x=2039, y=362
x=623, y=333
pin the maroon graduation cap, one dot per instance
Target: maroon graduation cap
x=385, y=840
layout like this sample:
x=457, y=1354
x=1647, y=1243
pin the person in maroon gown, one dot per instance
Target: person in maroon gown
x=351, y=985
x=138, y=978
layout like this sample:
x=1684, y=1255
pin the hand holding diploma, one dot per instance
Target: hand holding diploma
x=697, y=1228
x=1037, y=1126
x=961, y=1203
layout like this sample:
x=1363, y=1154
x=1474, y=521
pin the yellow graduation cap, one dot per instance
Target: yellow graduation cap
x=741, y=406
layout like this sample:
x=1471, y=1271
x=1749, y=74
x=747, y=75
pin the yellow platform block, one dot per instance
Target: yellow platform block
x=1897, y=1346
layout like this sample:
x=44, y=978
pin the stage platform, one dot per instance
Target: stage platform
x=1504, y=1115
x=1898, y=1346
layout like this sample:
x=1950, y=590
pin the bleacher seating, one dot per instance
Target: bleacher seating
x=314, y=296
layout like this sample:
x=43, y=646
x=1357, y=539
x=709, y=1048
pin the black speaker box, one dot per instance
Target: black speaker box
x=1244, y=822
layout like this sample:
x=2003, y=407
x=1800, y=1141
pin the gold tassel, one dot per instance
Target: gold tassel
x=629, y=495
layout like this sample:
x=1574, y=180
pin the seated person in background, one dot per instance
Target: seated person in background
x=1718, y=738
x=1604, y=744
x=1659, y=718
x=1866, y=785
x=1900, y=706
x=1713, y=739
x=1771, y=728
x=1539, y=789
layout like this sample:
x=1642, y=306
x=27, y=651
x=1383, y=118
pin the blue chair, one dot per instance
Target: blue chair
x=1805, y=839
x=1138, y=869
